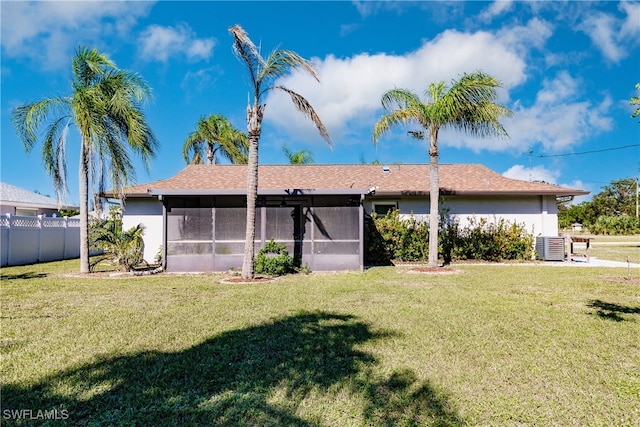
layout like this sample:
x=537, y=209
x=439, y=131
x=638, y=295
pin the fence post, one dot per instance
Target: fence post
x=8, y=249
x=64, y=237
x=40, y=238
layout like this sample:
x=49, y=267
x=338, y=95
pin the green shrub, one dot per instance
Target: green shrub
x=391, y=238
x=274, y=260
x=615, y=225
x=487, y=241
x=124, y=247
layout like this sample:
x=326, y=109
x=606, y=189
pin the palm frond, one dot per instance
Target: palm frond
x=28, y=118
x=247, y=52
x=470, y=106
x=387, y=121
x=307, y=110
x=399, y=99
x=282, y=61
x=192, y=148
x=88, y=65
x=302, y=157
x=54, y=156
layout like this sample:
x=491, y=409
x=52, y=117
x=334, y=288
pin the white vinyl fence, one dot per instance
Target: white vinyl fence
x=31, y=239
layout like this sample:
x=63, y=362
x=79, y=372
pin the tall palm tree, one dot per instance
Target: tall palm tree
x=213, y=135
x=467, y=105
x=302, y=157
x=105, y=105
x=262, y=74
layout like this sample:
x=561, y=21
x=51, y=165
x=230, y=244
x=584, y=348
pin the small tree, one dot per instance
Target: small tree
x=302, y=157
x=124, y=247
x=215, y=135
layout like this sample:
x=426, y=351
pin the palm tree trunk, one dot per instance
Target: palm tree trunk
x=254, y=127
x=211, y=155
x=84, y=208
x=434, y=194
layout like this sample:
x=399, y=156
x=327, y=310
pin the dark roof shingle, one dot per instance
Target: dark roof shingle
x=400, y=179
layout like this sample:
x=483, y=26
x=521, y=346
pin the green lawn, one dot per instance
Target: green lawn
x=614, y=248
x=490, y=345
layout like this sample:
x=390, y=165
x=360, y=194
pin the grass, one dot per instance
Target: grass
x=615, y=248
x=490, y=345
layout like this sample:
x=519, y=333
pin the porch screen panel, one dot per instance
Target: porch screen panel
x=189, y=231
x=280, y=223
x=230, y=230
x=336, y=230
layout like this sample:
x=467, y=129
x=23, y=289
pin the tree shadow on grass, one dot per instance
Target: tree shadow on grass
x=232, y=379
x=612, y=311
x=23, y=276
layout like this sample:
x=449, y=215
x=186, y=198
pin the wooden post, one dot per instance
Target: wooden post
x=586, y=241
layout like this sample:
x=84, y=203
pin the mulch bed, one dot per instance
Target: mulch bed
x=433, y=270
x=240, y=280
x=633, y=280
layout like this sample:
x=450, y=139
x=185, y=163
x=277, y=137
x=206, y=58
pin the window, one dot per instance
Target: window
x=383, y=208
x=26, y=212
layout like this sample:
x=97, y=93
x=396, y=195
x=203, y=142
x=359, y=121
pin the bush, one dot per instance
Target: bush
x=124, y=247
x=274, y=260
x=488, y=241
x=390, y=238
x=615, y=225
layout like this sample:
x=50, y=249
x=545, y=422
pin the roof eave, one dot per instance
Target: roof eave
x=261, y=192
x=514, y=193
x=449, y=192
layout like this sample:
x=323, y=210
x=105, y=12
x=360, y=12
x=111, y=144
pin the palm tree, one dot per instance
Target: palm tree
x=262, y=74
x=302, y=157
x=635, y=100
x=123, y=247
x=468, y=105
x=105, y=105
x=215, y=134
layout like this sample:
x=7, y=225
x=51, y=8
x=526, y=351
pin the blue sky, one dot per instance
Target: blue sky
x=568, y=70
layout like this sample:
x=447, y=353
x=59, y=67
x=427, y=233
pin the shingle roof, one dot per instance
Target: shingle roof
x=402, y=179
x=12, y=195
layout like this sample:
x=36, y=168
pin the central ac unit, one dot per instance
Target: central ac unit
x=550, y=248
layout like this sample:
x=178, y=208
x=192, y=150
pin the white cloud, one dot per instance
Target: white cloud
x=631, y=26
x=601, y=28
x=496, y=8
x=160, y=43
x=611, y=35
x=46, y=30
x=559, y=119
x=199, y=80
x=348, y=96
x=540, y=173
x=522, y=38
x=535, y=173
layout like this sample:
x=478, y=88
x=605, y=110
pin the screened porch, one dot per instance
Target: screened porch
x=207, y=233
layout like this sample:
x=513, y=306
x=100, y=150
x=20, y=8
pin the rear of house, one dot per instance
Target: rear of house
x=196, y=219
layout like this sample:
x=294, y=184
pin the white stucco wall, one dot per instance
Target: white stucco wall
x=538, y=213
x=147, y=212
